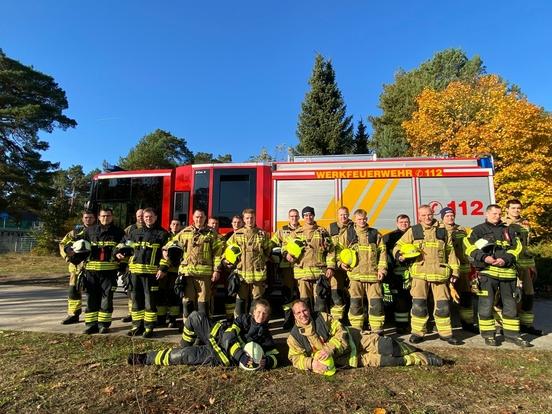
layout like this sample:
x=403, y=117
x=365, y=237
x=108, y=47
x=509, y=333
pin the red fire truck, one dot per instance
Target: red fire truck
x=382, y=187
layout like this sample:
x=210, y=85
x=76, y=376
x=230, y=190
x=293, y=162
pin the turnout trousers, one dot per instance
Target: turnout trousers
x=145, y=290
x=419, y=312
x=373, y=293
x=100, y=286
x=197, y=326
x=510, y=322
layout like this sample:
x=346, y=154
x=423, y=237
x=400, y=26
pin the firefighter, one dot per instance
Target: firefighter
x=236, y=223
x=147, y=266
x=169, y=302
x=285, y=269
x=398, y=277
x=495, y=248
x=465, y=297
x=213, y=223
x=222, y=342
x=229, y=300
x=362, y=254
x=320, y=343
x=101, y=272
x=313, y=260
x=527, y=271
x=74, y=300
x=202, y=249
x=123, y=268
x=339, y=280
x=250, y=267
x=434, y=266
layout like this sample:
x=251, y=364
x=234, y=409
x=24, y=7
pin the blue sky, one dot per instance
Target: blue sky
x=229, y=77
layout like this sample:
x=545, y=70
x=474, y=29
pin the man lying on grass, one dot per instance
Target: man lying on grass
x=245, y=342
x=319, y=343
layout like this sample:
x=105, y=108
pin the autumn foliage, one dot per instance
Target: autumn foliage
x=468, y=119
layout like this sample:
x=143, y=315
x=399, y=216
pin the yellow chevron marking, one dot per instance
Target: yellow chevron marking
x=383, y=201
x=372, y=195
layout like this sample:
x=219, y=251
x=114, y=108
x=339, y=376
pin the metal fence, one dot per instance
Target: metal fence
x=13, y=242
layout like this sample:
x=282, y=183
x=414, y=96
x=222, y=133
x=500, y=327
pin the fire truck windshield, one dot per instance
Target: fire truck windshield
x=126, y=195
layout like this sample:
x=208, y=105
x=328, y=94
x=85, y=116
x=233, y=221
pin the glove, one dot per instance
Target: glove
x=407, y=280
x=387, y=295
x=475, y=286
x=179, y=286
x=233, y=284
x=517, y=294
x=125, y=280
x=81, y=281
x=323, y=290
x=454, y=294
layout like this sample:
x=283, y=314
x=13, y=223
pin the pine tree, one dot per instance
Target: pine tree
x=323, y=126
x=361, y=139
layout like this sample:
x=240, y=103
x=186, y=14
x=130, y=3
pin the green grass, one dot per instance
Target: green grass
x=27, y=265
x=56, y=373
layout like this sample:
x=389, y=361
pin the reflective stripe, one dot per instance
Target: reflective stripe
x=99, y=266
x=162, y=357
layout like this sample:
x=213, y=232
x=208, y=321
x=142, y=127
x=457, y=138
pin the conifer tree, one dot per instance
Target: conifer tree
x=324, y=127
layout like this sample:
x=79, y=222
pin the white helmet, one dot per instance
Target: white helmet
x=256, y=353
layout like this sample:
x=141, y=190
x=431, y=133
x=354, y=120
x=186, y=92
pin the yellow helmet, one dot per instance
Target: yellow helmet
x=329, y=362
x=349, y=257
x=409, y=251
x=295, y=247
x=232, y=253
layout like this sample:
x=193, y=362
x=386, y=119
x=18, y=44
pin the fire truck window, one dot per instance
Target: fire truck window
x=147, y=192
x=201, y=190
x=113, y=189
x=181, y=206
x=233, y=192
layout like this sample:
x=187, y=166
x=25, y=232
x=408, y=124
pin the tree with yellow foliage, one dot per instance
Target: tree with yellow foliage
x=469, y=119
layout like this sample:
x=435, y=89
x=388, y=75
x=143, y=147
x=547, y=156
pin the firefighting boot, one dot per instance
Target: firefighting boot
x=137, y=359
x=70, y=319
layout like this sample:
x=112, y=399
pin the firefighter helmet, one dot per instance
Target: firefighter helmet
x=295, y=247
x=125, y=249
x=256, y=355
x=484, y=245
x=329, y=362
x=232, y=253
x=276, y=255
x=349, y=257
x=175, y=252
x=81, y=249
x=410, y=251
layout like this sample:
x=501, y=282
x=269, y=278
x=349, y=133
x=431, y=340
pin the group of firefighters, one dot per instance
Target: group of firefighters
x=336, y=284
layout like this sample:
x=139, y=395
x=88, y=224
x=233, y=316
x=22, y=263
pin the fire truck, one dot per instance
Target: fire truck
x=384, y=188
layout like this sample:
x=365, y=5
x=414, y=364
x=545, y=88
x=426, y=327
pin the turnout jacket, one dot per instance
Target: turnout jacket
x=280, y=238
x=457, y=234
x=202, y=251
x=322, y=332
x=504, y=243
x=77, y=233
x=147, y=243
x=244, y=329
x=103, y=240
x=523, y=231
x=437, y=261
x=390, y=240
x=318, y=253
x=255, y=251
x=371, y=252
